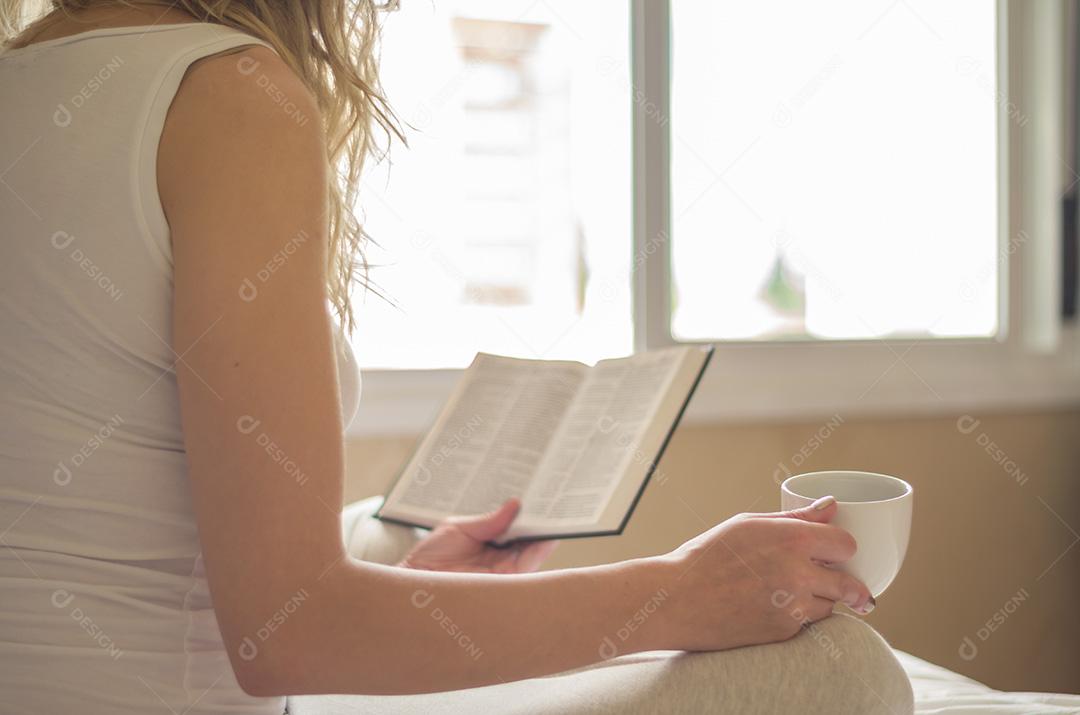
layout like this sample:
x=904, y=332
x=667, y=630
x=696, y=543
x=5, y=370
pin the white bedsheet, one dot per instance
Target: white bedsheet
x=937, y=692
x=941, y=691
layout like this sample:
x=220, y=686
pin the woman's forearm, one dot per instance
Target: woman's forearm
x=375, y=629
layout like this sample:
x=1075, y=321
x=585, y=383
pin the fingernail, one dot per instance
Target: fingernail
x=823, y=503
x=868, y=606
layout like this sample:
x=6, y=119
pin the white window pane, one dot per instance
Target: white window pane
x=834, y=169
x=505, y=226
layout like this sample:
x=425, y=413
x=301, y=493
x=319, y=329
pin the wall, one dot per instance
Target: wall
x=993, y=539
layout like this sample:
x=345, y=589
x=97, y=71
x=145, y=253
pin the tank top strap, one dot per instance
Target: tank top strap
x=179, y=50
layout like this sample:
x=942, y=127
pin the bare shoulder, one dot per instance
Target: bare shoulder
x=242, y=128
x=242, y=164
x=235, y=106
x=252, y=80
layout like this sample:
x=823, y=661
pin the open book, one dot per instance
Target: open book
x=576, y=444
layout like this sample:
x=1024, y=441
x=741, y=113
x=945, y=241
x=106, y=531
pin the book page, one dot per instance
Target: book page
x=590, y=452
x=490, y=439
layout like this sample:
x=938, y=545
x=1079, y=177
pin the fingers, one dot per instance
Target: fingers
x=819, y=608
x=824, y=542
x=827, y=543
x=821, y=511
x=485, y=527
x=521, y=558
x=844, y=588
x=533, y=554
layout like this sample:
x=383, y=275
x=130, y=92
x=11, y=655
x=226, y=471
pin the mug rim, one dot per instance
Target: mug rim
x=908, y=490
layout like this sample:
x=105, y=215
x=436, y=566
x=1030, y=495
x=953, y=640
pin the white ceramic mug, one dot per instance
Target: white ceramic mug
x=874, y=508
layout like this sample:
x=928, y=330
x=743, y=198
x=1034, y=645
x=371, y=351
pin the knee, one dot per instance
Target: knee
x=839, y=666
x=369, y=539
x=861, y=670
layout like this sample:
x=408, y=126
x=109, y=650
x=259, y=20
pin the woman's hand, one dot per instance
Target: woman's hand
x=759, y=578
x=459, y=544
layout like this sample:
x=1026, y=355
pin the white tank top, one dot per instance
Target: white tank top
x=104, y=605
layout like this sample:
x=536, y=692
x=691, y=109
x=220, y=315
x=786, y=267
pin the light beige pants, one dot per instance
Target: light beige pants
x=837, y=666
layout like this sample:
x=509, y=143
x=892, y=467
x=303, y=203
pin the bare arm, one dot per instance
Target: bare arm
x=244, y=189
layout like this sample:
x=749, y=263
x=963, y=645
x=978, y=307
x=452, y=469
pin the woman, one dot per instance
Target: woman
x=175, y=211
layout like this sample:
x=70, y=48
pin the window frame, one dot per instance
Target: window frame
x=1034, y=361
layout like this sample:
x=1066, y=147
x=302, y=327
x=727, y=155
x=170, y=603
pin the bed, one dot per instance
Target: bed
x=937, y=692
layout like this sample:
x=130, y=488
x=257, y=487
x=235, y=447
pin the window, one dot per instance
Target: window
x=834, y=169
x=858, y=202
x=505, y=226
